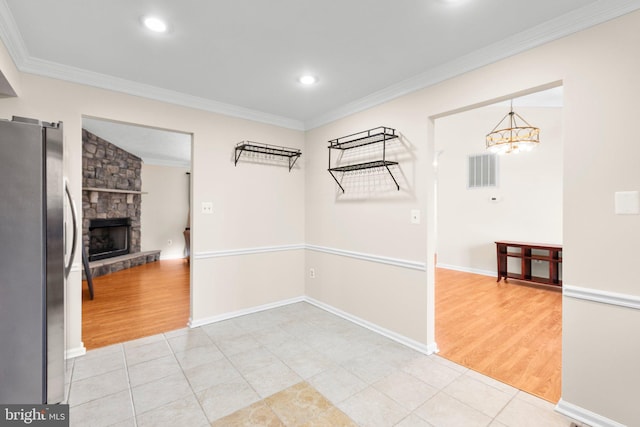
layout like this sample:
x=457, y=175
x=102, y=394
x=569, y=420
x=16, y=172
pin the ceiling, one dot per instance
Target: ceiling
x=153, y=146
x=243, y=57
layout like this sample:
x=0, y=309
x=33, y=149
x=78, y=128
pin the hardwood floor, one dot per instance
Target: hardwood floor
x=509, y=331
x=137, y=302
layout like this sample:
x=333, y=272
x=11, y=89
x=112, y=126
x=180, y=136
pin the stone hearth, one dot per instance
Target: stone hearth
x=111, y=265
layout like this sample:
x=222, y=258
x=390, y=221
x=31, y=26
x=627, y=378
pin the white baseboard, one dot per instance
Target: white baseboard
x=422, y=348
x=75, y=352
x=172, y=256
x=468, y=270
x=583, y=415
x=226, y=316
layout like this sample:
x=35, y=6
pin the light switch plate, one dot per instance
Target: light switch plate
x=627, y=203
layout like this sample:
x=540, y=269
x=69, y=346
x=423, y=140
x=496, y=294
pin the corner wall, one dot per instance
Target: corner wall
x=598, y=69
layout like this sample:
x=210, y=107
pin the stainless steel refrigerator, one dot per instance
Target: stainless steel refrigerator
x=32, y=262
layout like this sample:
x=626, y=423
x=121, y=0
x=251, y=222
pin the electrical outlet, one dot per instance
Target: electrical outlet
x=415, y=216
x=312, y=273
x=207, y=208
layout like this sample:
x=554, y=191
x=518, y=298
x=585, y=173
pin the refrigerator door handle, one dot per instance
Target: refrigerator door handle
x=74, y=219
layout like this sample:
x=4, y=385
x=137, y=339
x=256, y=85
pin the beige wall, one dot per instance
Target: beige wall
x=529, y=190
x=598, y=70
x=260, y=206
x=248, y=199
x=165, y=208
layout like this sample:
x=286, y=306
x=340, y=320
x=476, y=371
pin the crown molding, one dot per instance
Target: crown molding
x=561, y=26
x=564, y=25
x=11, y=36
x=77, y=75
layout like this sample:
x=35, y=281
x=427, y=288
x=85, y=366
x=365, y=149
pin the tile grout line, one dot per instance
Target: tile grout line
x=68, y=387
x=245, y=379
x=224, y=356
x=262, y=400
x=130, y=388
x=173, y=353
x=505, y=407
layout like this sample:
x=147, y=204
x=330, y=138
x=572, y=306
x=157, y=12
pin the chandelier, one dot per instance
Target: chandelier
x=512, y=134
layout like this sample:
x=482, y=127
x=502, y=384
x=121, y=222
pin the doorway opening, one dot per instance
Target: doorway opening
x=136, y=200
x=512, y=330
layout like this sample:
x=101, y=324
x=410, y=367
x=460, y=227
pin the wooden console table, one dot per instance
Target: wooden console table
x=526, y=254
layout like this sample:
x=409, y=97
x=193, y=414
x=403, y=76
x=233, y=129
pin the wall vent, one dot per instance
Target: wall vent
x=483, y=171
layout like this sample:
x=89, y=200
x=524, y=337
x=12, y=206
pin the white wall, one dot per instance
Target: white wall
x=165, y=208
x=529, y=191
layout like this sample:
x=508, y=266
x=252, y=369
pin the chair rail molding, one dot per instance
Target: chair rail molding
x=602, y=296
x=414, y=265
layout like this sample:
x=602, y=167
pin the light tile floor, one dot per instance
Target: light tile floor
x=290, y=366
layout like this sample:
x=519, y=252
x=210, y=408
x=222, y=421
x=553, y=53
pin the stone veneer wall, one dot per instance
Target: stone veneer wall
x=106, y=166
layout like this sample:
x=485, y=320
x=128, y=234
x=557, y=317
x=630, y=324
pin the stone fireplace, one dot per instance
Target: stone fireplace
x=111, y=206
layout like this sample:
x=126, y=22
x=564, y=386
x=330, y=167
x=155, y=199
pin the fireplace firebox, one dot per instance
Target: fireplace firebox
x=109, y=237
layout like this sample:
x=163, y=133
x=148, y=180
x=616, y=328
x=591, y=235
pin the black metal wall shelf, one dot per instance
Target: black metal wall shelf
x=255, y=147
x=380, y=134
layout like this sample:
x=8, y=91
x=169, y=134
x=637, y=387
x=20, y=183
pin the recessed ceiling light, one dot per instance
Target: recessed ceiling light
x=308, y=80
x=155, y=24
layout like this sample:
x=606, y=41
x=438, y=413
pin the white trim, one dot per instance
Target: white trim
x=75, y=352
x=401, y=339
x=247, y=251
x=11, y=35
x=169, y=257
x=561, y=26
x=415, y=265
x=468, y=270
x=580, y=414
x=77, y=75
x=226, y=316
x=76, y=267
x=564, y=25
x=604, y=297
x=422, y=348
